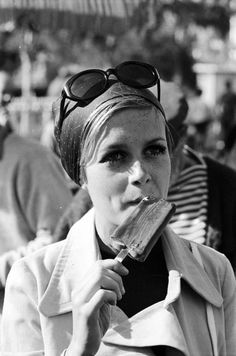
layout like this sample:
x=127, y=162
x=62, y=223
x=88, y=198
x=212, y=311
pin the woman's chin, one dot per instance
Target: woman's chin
x=116, y=247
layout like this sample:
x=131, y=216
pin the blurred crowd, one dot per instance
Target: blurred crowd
x=211, y=128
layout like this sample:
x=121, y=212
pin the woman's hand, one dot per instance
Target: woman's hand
x=91, y=311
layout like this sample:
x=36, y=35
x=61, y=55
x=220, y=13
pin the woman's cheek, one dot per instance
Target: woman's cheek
x=161, y=177
x=105, y=185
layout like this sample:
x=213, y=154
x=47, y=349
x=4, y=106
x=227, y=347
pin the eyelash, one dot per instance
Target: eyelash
x=112, y=157
x=159, y=149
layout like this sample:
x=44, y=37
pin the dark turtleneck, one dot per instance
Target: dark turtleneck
x=145, y=284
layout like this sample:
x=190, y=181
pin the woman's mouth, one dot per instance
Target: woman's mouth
x=135, y=201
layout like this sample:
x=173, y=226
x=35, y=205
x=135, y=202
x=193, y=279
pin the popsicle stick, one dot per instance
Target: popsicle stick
x=122, y=254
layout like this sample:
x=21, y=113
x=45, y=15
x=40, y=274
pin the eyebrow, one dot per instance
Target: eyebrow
x=116, y=146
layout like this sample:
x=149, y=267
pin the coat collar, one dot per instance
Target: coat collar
x=162, y=325
x=179, y=257
x=81, y=250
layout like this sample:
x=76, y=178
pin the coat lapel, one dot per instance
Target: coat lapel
x=162, y=326
x=81, y=251
x=179, y=257
x=76, y=258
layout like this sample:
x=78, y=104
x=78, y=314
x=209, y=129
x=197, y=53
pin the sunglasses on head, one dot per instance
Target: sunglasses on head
x=89, y=84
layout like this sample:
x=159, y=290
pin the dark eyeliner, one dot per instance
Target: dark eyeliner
x=158, y=148
x=110, y=156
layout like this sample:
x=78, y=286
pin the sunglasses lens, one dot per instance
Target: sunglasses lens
x=88, y=85
x=137, y=75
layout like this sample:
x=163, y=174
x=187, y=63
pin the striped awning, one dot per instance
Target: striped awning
x=104, y=15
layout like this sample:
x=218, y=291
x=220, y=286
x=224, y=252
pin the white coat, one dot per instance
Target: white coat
x=37, y=318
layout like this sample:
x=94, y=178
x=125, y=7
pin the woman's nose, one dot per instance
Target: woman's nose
x=139, y=174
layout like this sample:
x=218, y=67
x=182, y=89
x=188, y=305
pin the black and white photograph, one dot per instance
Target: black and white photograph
x=117, y=177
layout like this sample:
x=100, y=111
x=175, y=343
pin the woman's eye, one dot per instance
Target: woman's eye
x=114, y=157
x=156, y=150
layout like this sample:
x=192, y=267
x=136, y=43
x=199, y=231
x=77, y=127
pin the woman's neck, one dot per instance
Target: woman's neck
x=104, y=232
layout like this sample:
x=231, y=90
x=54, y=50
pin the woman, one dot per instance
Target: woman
x=203, y=190
x=74, y=297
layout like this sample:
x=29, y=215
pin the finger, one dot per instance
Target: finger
x=116, y=266
x=99, y=277
x=103, y=274
x=113, y=280
x=103, y=279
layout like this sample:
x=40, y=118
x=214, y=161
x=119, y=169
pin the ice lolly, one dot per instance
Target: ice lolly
x=142, y=229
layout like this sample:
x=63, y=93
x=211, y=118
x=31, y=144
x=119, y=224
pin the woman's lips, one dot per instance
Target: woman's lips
x=135, y=201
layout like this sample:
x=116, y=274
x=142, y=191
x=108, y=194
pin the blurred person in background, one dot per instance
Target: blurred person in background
x=3, y=82
x=175, y=62
x=34, y=194
x=198, y=119
x=203, y=190
x=229, y=151
x=54, y=90
x=227, y=113
x=9, y=62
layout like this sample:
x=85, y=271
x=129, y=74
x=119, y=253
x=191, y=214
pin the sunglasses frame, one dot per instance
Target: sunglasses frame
x=67, y=93
x=106, y=74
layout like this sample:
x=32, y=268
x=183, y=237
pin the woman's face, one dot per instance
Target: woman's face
x=131, y=161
